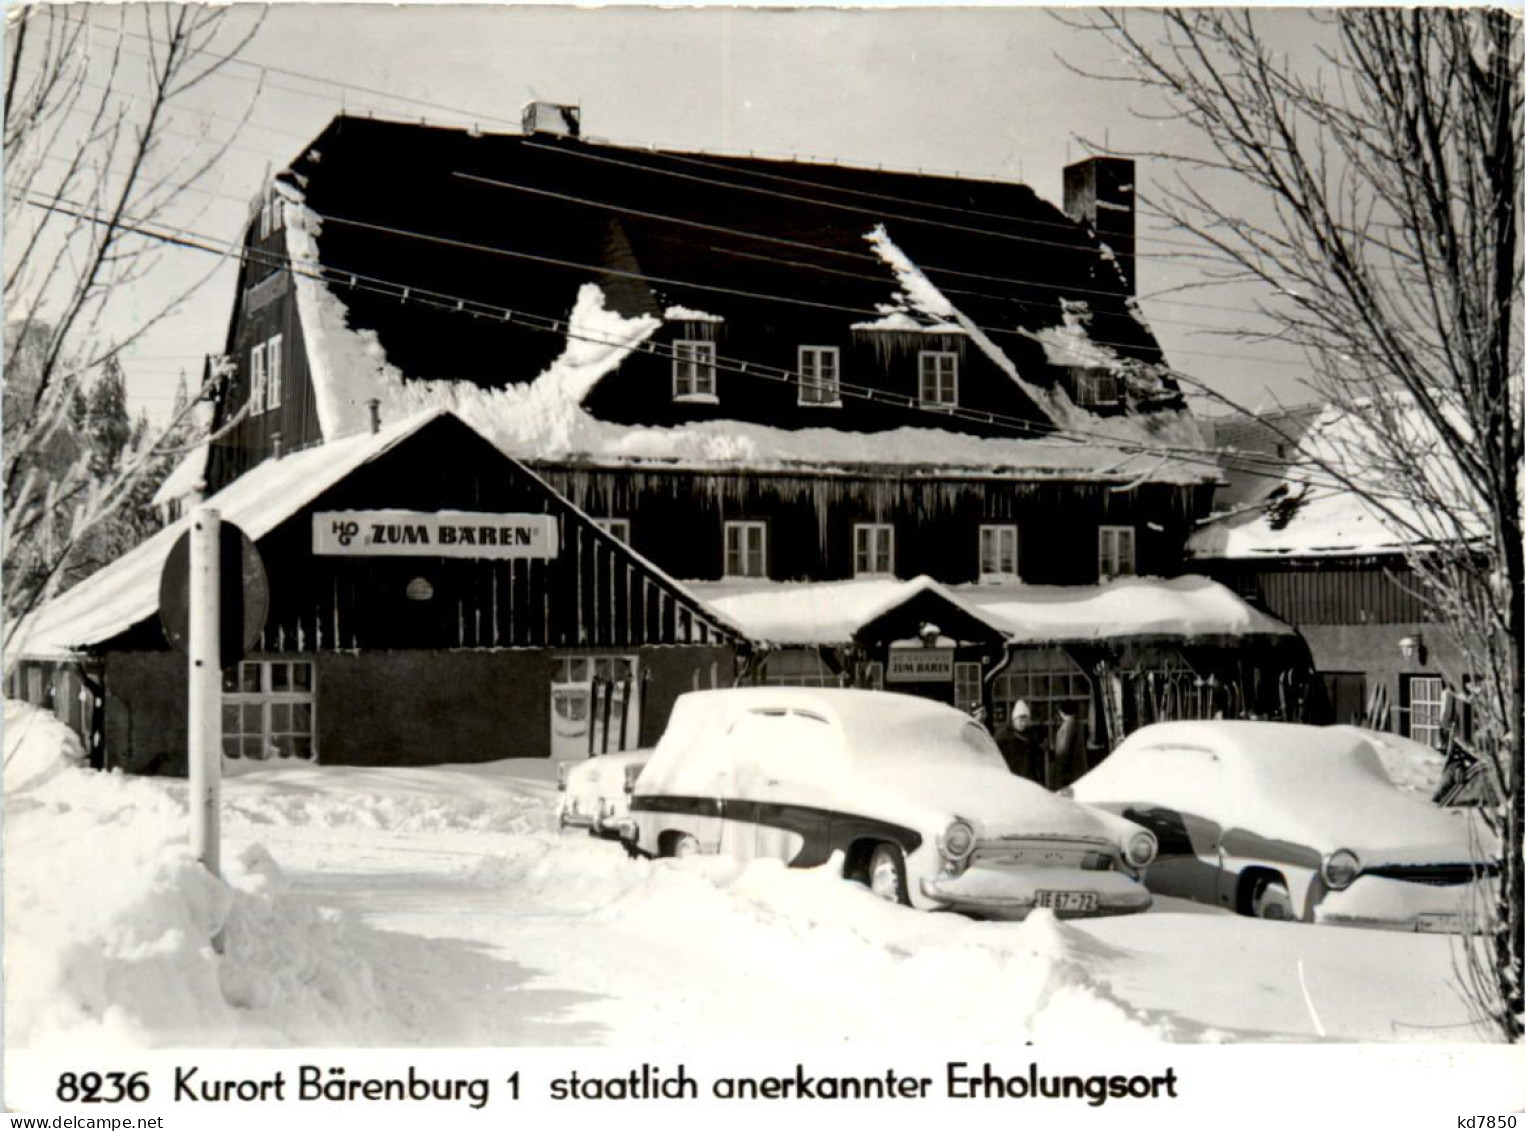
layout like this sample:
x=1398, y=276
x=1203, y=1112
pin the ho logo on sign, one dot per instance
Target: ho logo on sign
x=443, y=534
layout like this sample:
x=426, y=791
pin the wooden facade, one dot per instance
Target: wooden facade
x=419, y=658
x=1342, y=591
x=678, y=518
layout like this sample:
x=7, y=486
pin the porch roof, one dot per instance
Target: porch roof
x=1188, y=609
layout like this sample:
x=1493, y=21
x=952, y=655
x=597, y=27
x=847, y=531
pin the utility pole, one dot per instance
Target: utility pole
x=204, y=738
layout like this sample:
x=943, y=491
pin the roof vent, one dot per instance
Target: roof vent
x=551, y=118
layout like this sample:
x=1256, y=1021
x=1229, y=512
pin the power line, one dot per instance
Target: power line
x=781, y=241
x=601, y=269
x=1025, y=429
x=720, y=162
x=858, y=210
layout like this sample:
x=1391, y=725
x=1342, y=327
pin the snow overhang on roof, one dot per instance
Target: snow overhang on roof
x=1343, y=496
x=1179, y=610
x=187, y=477
x=115, y=598
x=126, y=592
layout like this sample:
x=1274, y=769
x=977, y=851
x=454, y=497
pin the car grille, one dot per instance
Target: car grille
x=1437, y=875
x=1039, y=852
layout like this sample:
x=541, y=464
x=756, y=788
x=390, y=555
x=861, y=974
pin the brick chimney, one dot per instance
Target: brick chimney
x=1100, y=192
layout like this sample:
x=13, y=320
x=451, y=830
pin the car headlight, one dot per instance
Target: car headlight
x=1140, y=849
x=1340, y=869
x=957, y=841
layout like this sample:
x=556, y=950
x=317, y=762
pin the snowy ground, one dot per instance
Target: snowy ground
x=439, y=907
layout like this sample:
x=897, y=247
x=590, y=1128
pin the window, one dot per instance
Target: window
x=998, y=553
x=1044, y=678
x=967, y=691
x=1097, y=387
x=819, y=376
x=694, y=371
x=746, y=549
x=799, y=667
x=583, y=688
x=1115, y=551
x=273, y=372
x=1425, y=698
x=257, y=379
x=939, y=383
x=270, y=213
x=617, y=528
x=268, y=708
x=873, y=549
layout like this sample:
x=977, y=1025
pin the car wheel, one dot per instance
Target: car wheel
x=887, y=874
x=678, y=844
x=1270, y=899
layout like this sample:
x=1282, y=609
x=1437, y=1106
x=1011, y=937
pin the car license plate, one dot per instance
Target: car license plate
x=1067, y=900
x=1440, y=922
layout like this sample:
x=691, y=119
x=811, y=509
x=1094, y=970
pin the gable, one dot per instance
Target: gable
x=593, y=591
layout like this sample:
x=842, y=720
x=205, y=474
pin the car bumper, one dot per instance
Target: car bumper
x=1014, y=892
x=1393, y=905
x=595, y=818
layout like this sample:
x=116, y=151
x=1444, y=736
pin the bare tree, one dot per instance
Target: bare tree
x=100, y=145
x=1370, y=181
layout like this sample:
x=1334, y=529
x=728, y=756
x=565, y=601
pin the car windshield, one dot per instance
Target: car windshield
x=942, y=739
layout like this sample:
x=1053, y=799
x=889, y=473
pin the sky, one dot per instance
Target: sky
x=988, y=92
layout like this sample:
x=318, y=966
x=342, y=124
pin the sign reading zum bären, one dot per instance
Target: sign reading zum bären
x=920, y=665
x=428, y=534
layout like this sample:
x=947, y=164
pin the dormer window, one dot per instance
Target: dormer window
x=873, y=549
x=938, y=382
x=998, y=553
x=820, y=383
x=1096, y=386
x=694, y=371
x=1115, y=551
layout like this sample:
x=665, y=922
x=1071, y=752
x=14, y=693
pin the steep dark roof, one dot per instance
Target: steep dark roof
x=379, y=186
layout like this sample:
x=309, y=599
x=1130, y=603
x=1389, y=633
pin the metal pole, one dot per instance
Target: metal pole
x=204, y=737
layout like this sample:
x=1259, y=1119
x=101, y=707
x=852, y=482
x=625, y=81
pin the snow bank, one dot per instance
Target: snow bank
x=512, y=796
x=124, y=954
x=37, y=747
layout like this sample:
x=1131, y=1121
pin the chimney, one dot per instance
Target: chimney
x=1099, y=192
x=375, y=406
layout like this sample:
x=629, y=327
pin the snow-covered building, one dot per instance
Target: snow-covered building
x=1305, y=549
x=765, y=373
x=375, y=651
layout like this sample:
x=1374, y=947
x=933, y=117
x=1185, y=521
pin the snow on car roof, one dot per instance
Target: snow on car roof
x=1321, y=786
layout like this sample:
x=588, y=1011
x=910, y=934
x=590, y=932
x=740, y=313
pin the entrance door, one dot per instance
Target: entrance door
x=593, y=697
x=1347, y=692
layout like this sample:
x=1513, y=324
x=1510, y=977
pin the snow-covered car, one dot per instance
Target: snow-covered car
x=596, y=794
x=1286, y=821
x=913, y=795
